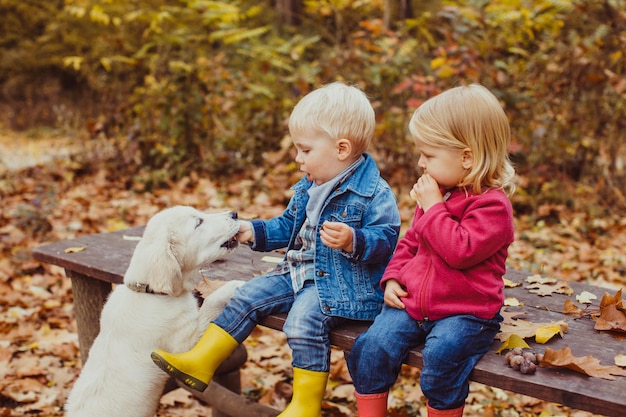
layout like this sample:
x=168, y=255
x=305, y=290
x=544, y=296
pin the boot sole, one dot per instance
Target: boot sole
x=186, y=379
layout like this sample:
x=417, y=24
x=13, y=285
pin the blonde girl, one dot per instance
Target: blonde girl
x=443, y=286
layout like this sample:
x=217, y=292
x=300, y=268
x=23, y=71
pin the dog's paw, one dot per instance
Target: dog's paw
x=217, y=300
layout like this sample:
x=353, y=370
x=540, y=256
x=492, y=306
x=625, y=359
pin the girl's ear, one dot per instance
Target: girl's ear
x=467, y=158
x=344, y=149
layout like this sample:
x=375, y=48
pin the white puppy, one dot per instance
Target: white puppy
x=154, y=309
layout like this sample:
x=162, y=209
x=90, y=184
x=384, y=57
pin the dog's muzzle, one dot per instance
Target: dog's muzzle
x=230, y=244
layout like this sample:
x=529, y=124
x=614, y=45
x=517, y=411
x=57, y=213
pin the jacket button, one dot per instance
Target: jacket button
x=320, y=273
x=344, y=214
x=326, y=308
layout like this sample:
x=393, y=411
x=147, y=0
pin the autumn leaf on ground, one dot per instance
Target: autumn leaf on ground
x=586, y=297
x=512, y=302
x=75, y=249
x=526, y=329
x=573, y=310
x=544, y=286
x=612, y=313
x=510, y=284
x=512, y=342
x=587, y=365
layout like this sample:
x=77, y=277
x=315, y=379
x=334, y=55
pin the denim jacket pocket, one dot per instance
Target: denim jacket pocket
x=351, y=214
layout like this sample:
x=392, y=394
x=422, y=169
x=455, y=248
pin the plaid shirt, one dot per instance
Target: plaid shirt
x=300, y=262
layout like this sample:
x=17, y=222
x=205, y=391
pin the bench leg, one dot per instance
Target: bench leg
x=89, y=298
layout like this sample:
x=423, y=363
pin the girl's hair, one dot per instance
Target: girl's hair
x=338, y=110
x=469, y=117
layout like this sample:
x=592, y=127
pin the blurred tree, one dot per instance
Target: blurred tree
x=208, y=85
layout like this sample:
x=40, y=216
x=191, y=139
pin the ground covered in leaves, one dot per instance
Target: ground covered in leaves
x=69, y=197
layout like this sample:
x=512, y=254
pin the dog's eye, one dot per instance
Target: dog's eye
x=199, y=221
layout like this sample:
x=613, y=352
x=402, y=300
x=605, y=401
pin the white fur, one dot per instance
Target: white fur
x=119, y=378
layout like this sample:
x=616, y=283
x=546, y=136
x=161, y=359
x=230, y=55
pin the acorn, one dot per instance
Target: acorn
x=530, y=356
x=527, y=367
x=516, y=362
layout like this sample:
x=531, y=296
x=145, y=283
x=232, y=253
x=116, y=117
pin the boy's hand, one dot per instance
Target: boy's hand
x=394, y=293
x=245, y=234
x=337, y=235
x=426, y=192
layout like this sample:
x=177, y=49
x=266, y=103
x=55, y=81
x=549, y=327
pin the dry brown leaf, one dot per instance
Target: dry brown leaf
x=587, y=365
x=525, y=328
x=544, y=286
x=572, y=309
x=180, y=396
x=612, y=316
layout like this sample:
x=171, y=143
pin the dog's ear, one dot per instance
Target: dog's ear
x=157, y=261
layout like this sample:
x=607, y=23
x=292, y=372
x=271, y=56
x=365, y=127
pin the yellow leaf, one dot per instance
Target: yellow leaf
x=438, y=62
x=510, y=284
x=513, y=302
x=546, y=333
x=106, y=63
x=513, y=341
x=73, y=61
x=75, y=249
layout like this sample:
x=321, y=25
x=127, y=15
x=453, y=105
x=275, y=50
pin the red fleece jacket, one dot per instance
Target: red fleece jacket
x=452, y=258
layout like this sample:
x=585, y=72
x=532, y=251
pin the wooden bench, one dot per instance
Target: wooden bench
x=106, y=256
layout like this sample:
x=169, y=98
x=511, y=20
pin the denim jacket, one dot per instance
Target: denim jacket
x=347, y=283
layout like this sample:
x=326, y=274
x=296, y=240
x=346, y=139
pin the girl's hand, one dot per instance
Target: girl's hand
x=394, y=292
x=245, y=234
x=426, y=192
x=337, y=235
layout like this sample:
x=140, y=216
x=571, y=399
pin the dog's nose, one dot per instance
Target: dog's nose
x=233, y=215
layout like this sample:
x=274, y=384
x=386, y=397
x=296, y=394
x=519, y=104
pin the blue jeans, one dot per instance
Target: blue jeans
x=307, y=327
x=452, y=346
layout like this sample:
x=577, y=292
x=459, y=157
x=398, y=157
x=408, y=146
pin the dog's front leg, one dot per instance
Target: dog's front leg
x=215, y=302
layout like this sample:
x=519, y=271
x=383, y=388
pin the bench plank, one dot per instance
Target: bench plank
x=106, y=256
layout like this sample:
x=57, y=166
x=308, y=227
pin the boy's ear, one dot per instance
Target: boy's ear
x=344, y=149
x=467, y=158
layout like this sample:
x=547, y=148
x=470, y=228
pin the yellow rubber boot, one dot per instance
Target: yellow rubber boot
x=195, y=368
x=308, y=392
x=456, y=412
x=371, y=405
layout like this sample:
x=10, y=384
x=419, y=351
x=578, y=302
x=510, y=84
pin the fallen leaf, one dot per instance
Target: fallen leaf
x=510, y=284
x=75, y=249
x=271, y=259
x=588, y=365
x=572, y=309
x=544, y=286
x=544, y=334
x=586, y=297
x=177, y=396
x=612, y=315
x=526, y=329
x=512, y=342
x=512, y=302
x=538, y=279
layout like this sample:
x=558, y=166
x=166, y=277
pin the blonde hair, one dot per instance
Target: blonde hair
x=469, y=117
x=338, y=110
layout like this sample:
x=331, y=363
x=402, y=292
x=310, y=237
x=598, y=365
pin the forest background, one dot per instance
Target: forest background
x=150, y=103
